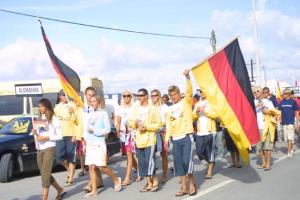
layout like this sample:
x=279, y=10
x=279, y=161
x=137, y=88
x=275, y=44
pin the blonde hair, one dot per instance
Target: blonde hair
x=159, y=95
x=173, y=88
x=100, y=101
x=127, y=91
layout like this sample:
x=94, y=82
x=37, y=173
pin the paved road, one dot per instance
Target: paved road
x=247, y=183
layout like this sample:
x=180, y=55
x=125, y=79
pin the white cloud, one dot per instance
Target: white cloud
x=118, y=65
x=279, y=39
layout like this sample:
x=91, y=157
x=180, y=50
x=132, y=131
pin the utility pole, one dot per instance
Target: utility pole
x=256, y=45
x=213, y=41
x=251, y=67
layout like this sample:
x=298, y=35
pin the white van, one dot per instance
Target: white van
x=12, y=105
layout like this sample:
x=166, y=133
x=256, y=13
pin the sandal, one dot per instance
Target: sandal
x=155, y=188
x=126, y=183
x=81, y=173
x=60, y=196
x=145, y=189
x=208, y=177
x=180, y=194
x=68, y=184
x=138, y=179
x=261, y=167
x=193, y=193
x=118, y=186
x=88, y=195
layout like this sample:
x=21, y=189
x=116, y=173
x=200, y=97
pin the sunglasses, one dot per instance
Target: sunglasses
x=126, y=96
x=154, y=95
x=141, y=95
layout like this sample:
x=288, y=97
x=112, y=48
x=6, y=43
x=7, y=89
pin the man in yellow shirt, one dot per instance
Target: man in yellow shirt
x=145, y=119
x=179, y=127
x=66, y=148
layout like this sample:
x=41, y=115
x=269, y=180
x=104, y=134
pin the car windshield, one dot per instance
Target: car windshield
x=17, y=126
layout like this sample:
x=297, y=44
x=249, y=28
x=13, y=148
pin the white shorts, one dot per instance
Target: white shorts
x=95, y=153
x=289, y=132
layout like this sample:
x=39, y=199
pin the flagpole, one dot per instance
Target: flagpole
x=220, y=49
x=256, y=45
x=67, y=97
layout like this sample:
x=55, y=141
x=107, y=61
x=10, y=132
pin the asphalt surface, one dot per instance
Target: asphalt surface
x=247, y=183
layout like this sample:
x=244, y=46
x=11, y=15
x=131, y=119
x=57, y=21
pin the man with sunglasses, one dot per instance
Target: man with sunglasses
x=289, y=112
x=179, y=127
x=265, y=113
x=145, y=119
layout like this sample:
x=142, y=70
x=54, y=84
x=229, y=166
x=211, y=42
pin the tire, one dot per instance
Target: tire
x=6, y=167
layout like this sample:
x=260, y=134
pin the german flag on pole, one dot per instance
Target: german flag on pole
x=68, y=78
x=224, y=79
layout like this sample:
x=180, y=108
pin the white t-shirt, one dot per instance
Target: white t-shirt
x=176, y=110
x=53, y=131
x=123, y=113
x=259, y=111
x=163, y=111
x=202, y=118
x=143, y=111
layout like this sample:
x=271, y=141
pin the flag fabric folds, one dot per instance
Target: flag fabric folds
x=224, y=79
x=68, y=77
x=278, y=92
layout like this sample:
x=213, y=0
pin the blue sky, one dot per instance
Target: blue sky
x=124, y=60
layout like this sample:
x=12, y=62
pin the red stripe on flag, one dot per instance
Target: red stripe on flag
x=234, y=95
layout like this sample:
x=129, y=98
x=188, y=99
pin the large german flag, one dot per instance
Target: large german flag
x=224, y=79
x=69, y=80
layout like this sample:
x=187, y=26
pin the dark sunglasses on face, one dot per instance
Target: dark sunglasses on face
x=124, y=96
x=154, y=95
x=141, y=95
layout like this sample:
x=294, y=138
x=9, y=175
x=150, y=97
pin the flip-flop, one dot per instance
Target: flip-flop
x=155, y=188
x=267, y=168
x=68, y=184
x=60, y=196
x=138, y=179
x=208, y=177
x=180, y=194
x=126, y=183
x=193, y=193
x=145, y=189
x=88, y=195
x=118, y=187
x=261, y=167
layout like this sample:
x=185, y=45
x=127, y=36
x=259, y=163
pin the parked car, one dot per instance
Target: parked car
x=17, y=147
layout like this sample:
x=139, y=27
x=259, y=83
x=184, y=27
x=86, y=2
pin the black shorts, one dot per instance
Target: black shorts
x=205, y=147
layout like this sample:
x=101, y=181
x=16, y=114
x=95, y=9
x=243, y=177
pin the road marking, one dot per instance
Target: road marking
x=204, y=192
x=224, y=183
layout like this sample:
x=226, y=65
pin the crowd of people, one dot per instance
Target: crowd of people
x=148, y=127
